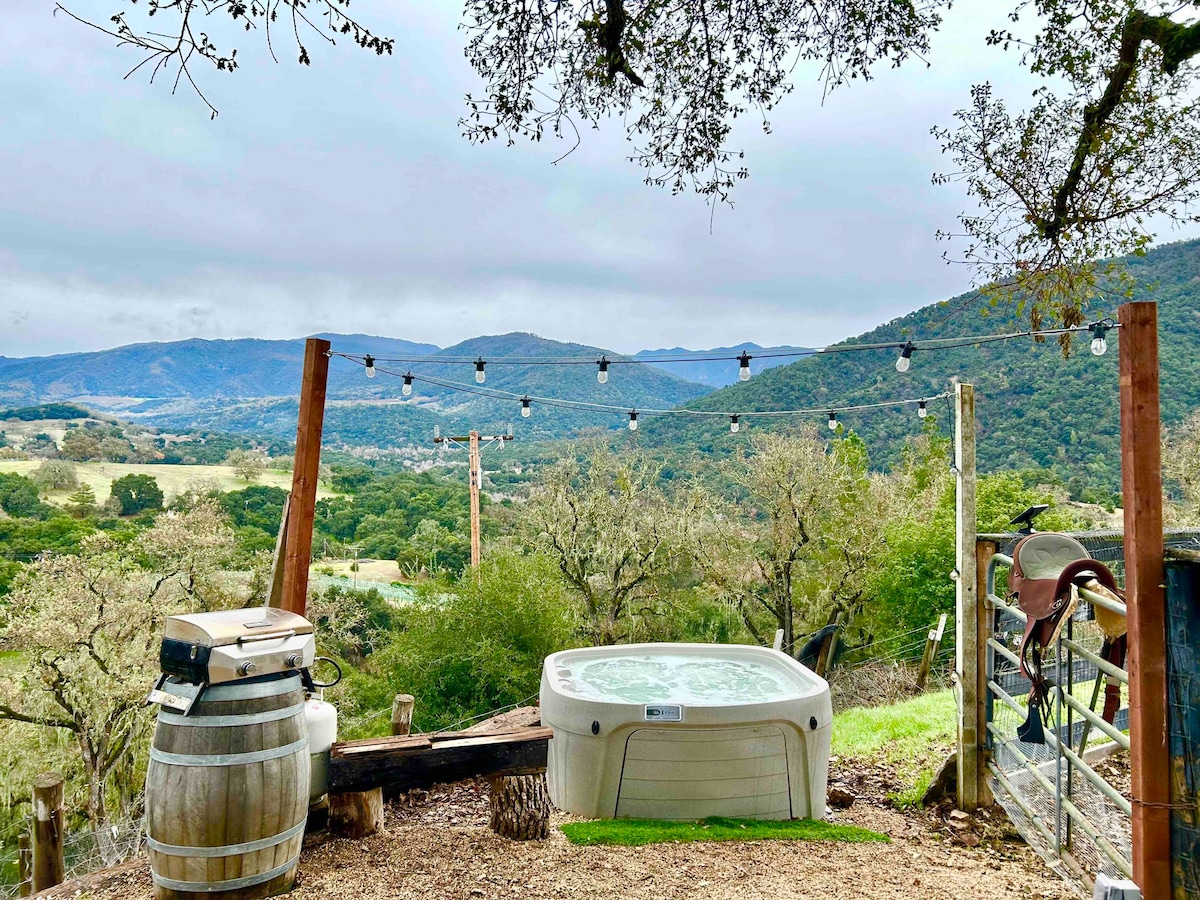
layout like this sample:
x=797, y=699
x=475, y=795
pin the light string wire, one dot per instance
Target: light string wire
x=948, y=343
x=497, y=394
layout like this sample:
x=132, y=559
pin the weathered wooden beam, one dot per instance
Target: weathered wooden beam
x=966, y=619
x=401, y=764
x=305, y=472
x=1141, y=482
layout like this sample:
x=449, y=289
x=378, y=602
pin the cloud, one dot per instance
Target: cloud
x=341, y=197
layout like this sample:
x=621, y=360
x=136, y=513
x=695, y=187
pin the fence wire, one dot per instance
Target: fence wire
x=82, y=853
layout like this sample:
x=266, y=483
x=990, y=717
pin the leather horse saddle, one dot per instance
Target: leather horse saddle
x=1048, y=568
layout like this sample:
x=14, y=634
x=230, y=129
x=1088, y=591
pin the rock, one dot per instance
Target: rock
x=945, y=784
x=840, y=797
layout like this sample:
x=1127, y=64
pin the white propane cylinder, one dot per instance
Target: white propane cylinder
x=322, y=732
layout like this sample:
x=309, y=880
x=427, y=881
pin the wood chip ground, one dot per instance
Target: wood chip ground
x=437, y=844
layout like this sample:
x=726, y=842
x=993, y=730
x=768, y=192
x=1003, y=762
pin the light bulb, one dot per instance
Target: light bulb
x=734, y=426
x=369, y=362
x=921, y=410
x=744, y=366
x=832, y=421
x=905, y=358
x=407, y=389
x=602, y=374
x=1099, y=344
x=633, y=420
x=525, y=410
x=480, y=374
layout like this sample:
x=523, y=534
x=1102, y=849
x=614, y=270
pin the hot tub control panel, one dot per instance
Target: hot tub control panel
x=659, y=712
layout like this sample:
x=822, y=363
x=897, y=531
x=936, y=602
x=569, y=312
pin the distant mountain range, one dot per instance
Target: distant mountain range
x=1035, y=409
x=720, y=372
x=250, y=385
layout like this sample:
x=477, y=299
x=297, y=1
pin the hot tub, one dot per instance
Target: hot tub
x=685, y=731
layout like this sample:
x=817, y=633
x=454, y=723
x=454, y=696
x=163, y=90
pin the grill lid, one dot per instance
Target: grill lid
x=234, y=626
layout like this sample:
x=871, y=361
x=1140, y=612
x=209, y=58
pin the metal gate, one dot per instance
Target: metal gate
x=1069, y=798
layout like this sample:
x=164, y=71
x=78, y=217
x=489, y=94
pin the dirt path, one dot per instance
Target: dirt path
x=438, y=845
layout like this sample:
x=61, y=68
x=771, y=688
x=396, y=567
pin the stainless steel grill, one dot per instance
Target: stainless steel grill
x=231, y=645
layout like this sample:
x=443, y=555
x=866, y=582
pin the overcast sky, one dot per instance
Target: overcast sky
x=341, y=197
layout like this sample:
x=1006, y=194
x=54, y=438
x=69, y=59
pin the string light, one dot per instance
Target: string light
x=602, y=374
x=744, y=366
x=369, y=362
x=1099, y=330
x=633, y=420
x=905, y=359
x=734, y=425
x=921, y=410
x=832, y=420
x=525, y=410
x=407, y=389
x=480, y=374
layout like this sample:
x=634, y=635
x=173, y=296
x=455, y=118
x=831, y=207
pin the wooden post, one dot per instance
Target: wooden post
x=932, y=644
x=402, y=713
x=275, y=594
x=984, y=628
x=305, y=472
x=966, y=662
x=24, y=866
x=1141, y=482
x=475, y=477
x=49, y=866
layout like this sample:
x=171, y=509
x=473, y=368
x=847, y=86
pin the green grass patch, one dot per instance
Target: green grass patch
x=638, y=832
x=910, y=736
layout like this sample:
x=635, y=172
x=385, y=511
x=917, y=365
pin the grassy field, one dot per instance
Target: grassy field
x=172, y=480
x=912, y=737
x=637, y=832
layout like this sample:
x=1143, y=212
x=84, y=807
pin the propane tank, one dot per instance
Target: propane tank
x=322, y=732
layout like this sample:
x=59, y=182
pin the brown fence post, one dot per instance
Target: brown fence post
x=305, y=472
x=1141, y=482
x=49, y=867
x=402, y=713
x=932, y=643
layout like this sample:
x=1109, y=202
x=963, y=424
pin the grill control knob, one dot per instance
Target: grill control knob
x=247, y=668
x=294, y=661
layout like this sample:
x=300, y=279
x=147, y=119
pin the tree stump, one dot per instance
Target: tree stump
x=520, y=807
x=356, y=814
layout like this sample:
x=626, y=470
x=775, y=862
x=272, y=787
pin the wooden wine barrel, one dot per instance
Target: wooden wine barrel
x=227, y=791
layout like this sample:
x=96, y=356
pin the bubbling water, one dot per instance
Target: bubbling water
x=689, y=680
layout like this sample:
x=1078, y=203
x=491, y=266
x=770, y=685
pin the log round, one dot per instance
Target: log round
x=227, y=791
x=520, y=807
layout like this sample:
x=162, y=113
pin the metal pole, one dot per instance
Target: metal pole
x=1141, y=481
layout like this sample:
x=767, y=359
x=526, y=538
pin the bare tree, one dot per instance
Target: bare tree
x=796, y=540
x=1110, y=142
x=606, y=523
x=88, y=628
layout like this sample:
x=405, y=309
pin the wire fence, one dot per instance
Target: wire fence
x=1069, y=798
x=83, y=852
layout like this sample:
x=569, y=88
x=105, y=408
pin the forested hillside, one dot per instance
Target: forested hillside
x=1035, y=408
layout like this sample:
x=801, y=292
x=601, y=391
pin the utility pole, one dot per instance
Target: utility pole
x=475, y=465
